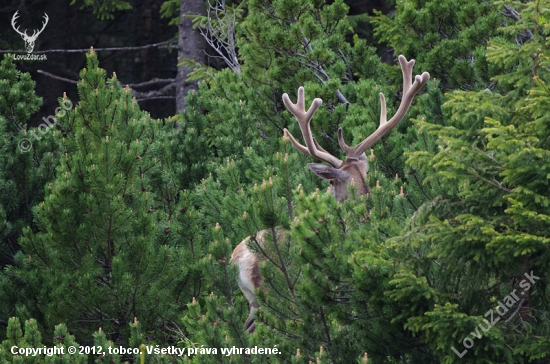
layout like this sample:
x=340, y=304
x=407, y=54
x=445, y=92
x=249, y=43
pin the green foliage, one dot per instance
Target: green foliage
x=17, y=98
x=347, y=267
x=28, y=158
x=493, y=158
x=456, y=224
x=168, y=9
x=446, y=37
x=402, y=274
x=308, y=284
x=104, y=252
x=28, y=347
x=103, y=9
x=32, y=340
x=310, y=301
x=200, y=71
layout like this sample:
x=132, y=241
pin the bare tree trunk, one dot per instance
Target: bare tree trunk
x=191, y=45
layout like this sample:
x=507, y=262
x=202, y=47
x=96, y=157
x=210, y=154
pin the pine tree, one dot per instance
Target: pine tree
x=28, y=158
x=31, y=338
x=25, y=346
x=103, y=253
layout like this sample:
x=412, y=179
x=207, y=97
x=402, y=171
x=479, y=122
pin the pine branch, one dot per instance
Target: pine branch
x=152, y=81
x=163, y=93
x=165, y=44
x=47, y=74
x=516, y=311
x=316, y=66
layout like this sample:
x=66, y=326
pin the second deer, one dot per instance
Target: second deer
x=339, y=173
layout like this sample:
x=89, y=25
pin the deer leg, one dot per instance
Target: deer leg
x=253, y=305
x=249, y=279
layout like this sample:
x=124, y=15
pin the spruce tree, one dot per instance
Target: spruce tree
x=446, y=37
x=477, y=288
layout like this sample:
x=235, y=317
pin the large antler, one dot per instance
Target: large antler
x=43, y=26
x=13, y=19
x=35, y=33
x=409, y=90
x=312, y=148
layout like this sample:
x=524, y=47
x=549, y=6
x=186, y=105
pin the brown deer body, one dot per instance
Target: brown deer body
x=339, y=173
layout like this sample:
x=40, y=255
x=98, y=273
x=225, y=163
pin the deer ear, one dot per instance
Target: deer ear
x=327, y=172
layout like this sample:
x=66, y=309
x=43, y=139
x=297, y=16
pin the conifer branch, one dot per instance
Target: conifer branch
x=156, y=94
x=520, y=305
x=513, y=14
x=163, y=93
x=280, y=256
x=165, y=44
x=152, y=81
x=59, y=78
x=315, y=65
x=264, y=253
x=348, y=67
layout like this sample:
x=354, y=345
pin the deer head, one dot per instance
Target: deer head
x=339, y=173
x=29, y=40
x=355, y=166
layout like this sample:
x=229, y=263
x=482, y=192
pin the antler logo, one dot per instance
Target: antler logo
x=29, y=40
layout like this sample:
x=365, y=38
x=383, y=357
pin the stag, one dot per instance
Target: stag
x=339, y=173
x=29, y=40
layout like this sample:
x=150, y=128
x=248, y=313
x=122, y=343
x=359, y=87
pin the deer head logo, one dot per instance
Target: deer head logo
x=29, y=40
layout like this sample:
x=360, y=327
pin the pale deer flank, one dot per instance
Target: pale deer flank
x=339, y=173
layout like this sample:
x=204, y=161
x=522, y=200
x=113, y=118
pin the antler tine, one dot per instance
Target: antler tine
x=13, y=19
x=37, y=32
x=46, y=18
x=409, y=90
x=312, y=148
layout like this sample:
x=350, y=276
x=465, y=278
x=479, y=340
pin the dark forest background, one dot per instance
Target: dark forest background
x=76, y=26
